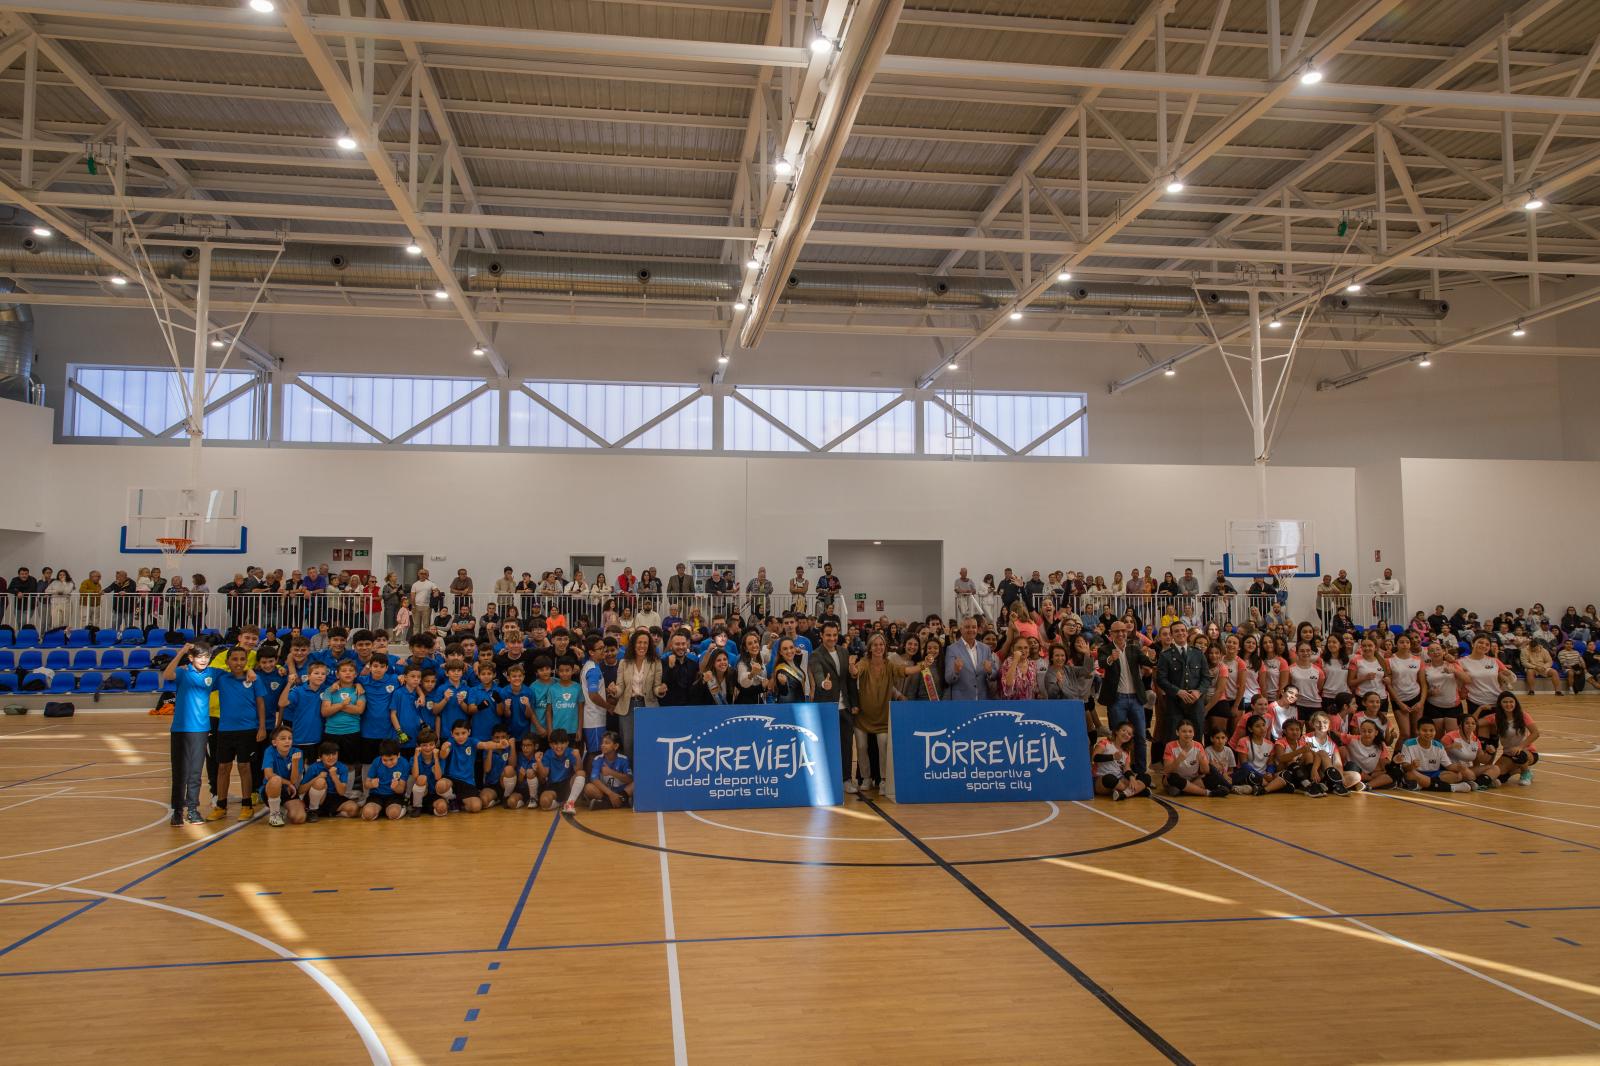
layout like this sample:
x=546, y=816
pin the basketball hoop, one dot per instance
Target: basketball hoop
x=1280, y=569
x=173, y=550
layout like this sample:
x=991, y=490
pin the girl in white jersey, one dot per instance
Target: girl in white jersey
x=1274, y=670
x=1404, y=670
x=1367, y=756
x=1250, y=652
x=1508, y=728
x=1328, y=763
x=1113, y=757
x=1486, y=677
x=1335, y=670
x=1367, y=673
x=1224, y=709
x=1306, y=677
x=1257, y=772
x=1469, y=756
x=1187, y=769
x=1442, y=683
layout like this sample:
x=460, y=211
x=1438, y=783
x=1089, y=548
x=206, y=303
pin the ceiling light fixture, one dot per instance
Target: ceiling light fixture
x=955, y=366
x=216, y=343
x=42, y=231
x=347, y=142
x=1533, y=203
x=1354, y=286
x=349, y=540
x=877, y=542
x=821, y=45
x=739, y=305
x=1424, y=362
x=722, y=360
x=1016, y=316
x=262, y=7
x=118, y=279
x=1175, y=185
x=479, y=350
x=1519, y=331
x=441, y=294
x=413, y=248
x=1171, y=373
x=1310, y=76
x=1065, y=275
x=1276, y=323
x=783, y=168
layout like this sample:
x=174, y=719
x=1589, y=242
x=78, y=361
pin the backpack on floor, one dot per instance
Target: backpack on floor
x=59, y=710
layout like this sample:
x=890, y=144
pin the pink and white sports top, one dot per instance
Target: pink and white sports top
x=1256, y=755
x=1186, y=764
x=1483, y=678
x=1442, y=687
x=1461, y=748
x=1404, y=673
x=1222, y=761
x=1361, y=757
x=1335, y=678
x=1107, y=755
x=1369, y=677
x=1307, y=680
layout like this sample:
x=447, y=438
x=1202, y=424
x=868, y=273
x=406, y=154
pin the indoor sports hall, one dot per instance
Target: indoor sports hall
x=793, y=531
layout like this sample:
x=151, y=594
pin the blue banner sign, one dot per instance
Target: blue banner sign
x=985, y=751
x=719, y=758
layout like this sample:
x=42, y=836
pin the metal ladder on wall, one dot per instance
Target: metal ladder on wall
x=958, y=430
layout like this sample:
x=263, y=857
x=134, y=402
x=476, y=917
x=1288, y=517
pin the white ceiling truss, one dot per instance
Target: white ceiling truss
x=968, y=138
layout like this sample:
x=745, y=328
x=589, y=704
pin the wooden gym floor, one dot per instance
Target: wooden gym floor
x=1380, y=928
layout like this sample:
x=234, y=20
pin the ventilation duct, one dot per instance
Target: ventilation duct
x=369, y=267
x=16, y=347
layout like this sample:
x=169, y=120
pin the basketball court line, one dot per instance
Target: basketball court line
x=680, y=1047
x=52, y=773
x=527, y=888
x=1329, y=912
x=1055, y=812
x=1087, y=983
x=161, y=820
x=369, y=1036
x=34, y=799
x=1486, y=821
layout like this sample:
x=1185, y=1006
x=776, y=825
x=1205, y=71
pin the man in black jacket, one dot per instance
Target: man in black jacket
x=1181, y=674
x=679, y=672
x=1122, y=689
x=22, y=586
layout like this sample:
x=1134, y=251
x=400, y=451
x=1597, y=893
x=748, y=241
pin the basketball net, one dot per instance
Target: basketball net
x=1279, y=569
x=173, y=549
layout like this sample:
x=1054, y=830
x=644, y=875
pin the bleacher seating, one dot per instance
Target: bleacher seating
x=90, y=681
x=147, y=681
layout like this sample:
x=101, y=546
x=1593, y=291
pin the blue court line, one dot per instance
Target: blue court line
x=494, y=966
x=382, y=888
x=1489, y=821
x=1519, y=925
x=92, y=904
x=533, y=875
x=322, y=891
x=1330, y=858
x=52, y=773
x=1564, y=940
x=459, y=1044
x=472, y=1015
x=209, y=895
x=780, y=937
x=483, y=990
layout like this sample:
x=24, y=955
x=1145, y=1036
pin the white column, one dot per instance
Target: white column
x=1258, y=410
x=197, y=387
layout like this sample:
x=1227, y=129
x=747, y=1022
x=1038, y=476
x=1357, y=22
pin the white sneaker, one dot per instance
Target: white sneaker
x=1525, y=778
x=569, y=807
x=275, y=819
x=866, y=784
x=850, y=788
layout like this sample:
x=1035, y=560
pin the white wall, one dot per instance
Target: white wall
x=906, y=575
x=1492, y=535
x=24, y=433
x=485, y=510
x=317, y=551
x=1380, y=523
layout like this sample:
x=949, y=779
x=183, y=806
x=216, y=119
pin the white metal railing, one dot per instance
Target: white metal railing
x=1225, y=609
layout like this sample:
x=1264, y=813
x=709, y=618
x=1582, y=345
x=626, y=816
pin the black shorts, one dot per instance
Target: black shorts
x=1477, y=709
x=461, y=789
x=562, y=789
x=330, y=805
x=289, y=791
x=236, y=745
x=385, y=799
x=309, y=753
x=1430, y=713
x=350, y=751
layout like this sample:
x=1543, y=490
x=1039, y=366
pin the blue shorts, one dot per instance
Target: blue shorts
x=1431, y=775
x=591, y=738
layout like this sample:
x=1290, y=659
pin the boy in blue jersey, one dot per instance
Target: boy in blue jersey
x=282, y=766
x=1427, y=763
x=377, y=725
x=422, y=653
x=270, y=680
x=338, y=649
x=459, y=756
x=386, y=784
x=449, y=701
x=343, y=701
x=407, y=709
x=560, y=774
x=544, y=669
x=498, y=755
x=300, y=708
x=564, y=699
x=241, y=725
x=191, y=725
x=610, y=775
x=430, y=788
x=429, y=685
x=298, y=662
x=516, y=704
x=483, y=704
x=526, y=793
x=328, y=785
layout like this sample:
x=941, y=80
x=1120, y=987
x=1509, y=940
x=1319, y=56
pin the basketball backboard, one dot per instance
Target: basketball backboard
x=1256, y=544
x=212, y=518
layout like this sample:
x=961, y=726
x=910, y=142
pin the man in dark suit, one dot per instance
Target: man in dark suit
x=1122, y=688
x=831, y=682
x=1181, y=675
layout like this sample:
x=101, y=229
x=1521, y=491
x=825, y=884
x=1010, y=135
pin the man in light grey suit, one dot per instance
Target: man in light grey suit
x=969, y=664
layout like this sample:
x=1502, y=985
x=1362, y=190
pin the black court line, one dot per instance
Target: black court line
x=1487, y=821
x=1110, y=1002
x=1159, y=831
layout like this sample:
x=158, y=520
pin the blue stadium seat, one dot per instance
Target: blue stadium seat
x=78, y=638
x=285, y=632
x=139, y=659
x=112, y=659
x=147, y=681
x=55, y=638
x=1580, y=647
x=8, y=682
x=156, y=639
x=8, y=637
x=30, y=659
x=105, y=638
x=187, y=634
x=90, y=681
x=113, y=678
x=61, y=684
x=58, y=659
x=34, y=676
x=8, y=660
x=131, y=637
x=84, y=659
x=211, y=635
x=27, y=637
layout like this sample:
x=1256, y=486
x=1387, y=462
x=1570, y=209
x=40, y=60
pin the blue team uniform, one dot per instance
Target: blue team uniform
x=282, y=765
x=385, y=777
x=269, y=686
x=375, y=724
x=191, y=706
x=607, y=770
x=452, y=712
x=521, y=709
x=484, y=714
x=460, y=762
x=560, y=767
x=237, y=698
x=565, y=702
x=408, y=711
x=339, y=770
x=303, y=714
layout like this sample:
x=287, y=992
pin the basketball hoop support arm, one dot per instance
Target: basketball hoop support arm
x=1258, y=406
x=197, y=386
